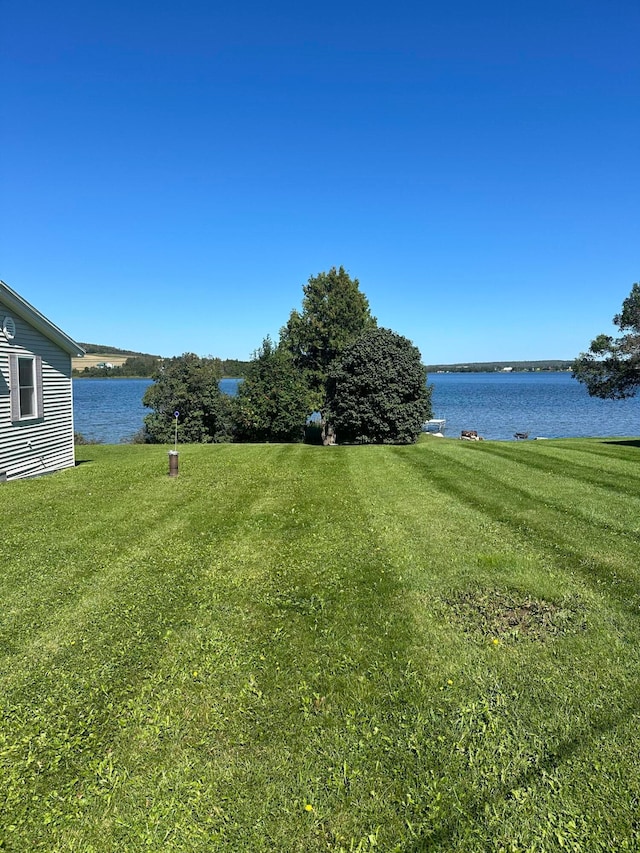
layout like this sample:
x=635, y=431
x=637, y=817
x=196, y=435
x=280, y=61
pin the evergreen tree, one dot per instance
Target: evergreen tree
x=334, y=313
x=611, y=367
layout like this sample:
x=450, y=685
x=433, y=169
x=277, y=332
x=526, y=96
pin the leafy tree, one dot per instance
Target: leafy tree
x=273, y=401
x=378, y=390
x=611, y=367
x=187, y=384
x=334, y=313
x=140, y=365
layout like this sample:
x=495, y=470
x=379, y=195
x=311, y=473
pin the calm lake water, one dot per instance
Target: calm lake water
x=550, y=405
x=108, y=410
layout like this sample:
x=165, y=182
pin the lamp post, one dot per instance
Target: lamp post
x=173, y=454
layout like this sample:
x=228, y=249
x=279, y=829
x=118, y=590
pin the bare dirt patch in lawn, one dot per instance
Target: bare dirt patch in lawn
x=505, y=615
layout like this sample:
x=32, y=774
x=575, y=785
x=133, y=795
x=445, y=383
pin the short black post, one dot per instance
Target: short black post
x=173, y=463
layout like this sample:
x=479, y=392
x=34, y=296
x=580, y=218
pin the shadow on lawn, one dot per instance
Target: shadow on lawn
x=549, y=760
x=629, y=442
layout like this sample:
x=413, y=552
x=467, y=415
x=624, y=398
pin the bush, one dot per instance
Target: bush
x=378, y=390
x=272, y=403
x=187, y=384
x=80, y=439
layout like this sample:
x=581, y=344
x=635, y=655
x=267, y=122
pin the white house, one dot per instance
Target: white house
x=36, y=396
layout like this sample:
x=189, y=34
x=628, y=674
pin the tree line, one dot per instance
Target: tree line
x=146, y=366
x=333, y=375
x=542, y=365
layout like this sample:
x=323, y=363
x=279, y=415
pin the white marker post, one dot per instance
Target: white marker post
x=173, y=454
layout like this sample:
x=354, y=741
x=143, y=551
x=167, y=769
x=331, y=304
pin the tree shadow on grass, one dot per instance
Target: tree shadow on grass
x=629, y=442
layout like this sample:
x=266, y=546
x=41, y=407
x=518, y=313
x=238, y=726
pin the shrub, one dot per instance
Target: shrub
x=187, y=384
x=272, y=403
x=79, y=439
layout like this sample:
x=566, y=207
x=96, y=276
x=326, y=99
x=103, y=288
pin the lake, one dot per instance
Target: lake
x=545, y=404
x=109, y=410
x=497, y=405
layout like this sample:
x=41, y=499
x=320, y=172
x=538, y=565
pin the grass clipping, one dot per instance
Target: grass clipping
x=512, y=616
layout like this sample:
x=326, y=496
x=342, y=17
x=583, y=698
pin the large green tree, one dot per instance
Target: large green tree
x=611, y=367
x=378, y=390
x=187, y=384
x=273, y=401
x=334, y=313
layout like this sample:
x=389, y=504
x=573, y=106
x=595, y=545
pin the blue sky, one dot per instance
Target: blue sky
x=172, y=173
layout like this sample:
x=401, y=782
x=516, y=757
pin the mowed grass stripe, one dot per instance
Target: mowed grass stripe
x=608, y=498
x=327, y=659
x=576, y=533
x=612, y=473
x=610, y=448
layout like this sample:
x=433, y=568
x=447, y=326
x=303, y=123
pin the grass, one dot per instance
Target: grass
x=295, y=648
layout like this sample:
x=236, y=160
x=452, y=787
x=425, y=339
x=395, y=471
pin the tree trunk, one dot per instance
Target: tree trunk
x=328, y=433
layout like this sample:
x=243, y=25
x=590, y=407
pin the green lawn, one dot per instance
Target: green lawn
x=295, y=648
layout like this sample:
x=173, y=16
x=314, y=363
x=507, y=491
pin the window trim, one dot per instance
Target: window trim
x=14, y=375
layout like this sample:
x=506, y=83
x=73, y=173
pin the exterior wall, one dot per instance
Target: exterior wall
x=40, y=445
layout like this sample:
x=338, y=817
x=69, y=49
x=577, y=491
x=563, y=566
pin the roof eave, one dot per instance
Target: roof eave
x=31, y=315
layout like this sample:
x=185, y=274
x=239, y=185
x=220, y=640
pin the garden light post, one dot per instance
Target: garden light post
x=173, y=454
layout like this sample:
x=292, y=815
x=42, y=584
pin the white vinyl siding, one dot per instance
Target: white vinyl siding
x=43, y=442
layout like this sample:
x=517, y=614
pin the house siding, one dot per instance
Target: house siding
x=39, y=445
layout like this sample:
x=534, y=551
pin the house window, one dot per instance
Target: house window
x=27, y=384
x=26, y=387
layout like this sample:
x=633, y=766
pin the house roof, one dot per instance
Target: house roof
x=31, y=315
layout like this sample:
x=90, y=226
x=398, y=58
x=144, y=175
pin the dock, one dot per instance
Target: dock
x=434, y=425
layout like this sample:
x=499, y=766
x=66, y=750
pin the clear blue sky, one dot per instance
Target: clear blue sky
x=173, y=172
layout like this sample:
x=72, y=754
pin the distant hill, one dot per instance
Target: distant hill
x=103, y=349
x=98, y=355
x=102, y=360
x=101, y=354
